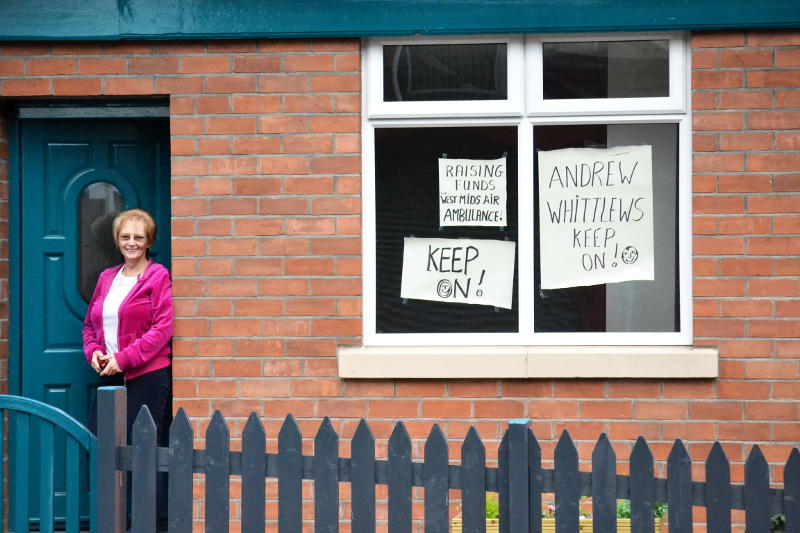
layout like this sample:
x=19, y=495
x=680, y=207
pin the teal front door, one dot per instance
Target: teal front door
x=75, y=175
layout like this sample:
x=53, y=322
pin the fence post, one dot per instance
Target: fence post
x=112, y=414
x=519, y=502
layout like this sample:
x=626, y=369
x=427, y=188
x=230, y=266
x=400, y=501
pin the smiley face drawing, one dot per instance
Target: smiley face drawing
x=630, y=255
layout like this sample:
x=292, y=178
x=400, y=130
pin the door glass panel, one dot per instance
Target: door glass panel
x=98, y=204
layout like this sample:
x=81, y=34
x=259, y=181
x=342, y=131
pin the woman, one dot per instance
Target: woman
x=128, y=327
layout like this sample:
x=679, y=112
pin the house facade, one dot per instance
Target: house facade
x=298, y=164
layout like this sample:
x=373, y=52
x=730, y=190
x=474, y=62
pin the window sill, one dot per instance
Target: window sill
x=481, y=362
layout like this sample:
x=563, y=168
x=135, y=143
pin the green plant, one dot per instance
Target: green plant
x=492, y=506
x=624, y=509
x=777, y=523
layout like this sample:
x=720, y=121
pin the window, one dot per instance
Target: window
x=484, y=114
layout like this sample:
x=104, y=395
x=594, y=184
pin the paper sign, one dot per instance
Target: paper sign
x=472, y=192
x=467, y=271
x=595, y=216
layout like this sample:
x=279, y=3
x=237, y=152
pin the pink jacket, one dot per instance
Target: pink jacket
x=145, y=321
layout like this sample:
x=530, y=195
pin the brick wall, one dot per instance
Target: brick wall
x=266, y=246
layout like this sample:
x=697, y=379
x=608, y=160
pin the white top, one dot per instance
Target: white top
x=119, y=289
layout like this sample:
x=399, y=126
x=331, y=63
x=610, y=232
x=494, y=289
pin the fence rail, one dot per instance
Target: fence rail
x=519, y=479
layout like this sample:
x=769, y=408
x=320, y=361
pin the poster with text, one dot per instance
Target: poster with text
x=595, y=216
x=466, y=271
x=472, y=192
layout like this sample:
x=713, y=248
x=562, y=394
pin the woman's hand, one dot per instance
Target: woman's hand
x=96, y=358
x=111, y=366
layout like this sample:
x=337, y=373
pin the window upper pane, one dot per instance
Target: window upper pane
x=605, y=69
x=629, y=306
x=438, y=72
x=407, y=205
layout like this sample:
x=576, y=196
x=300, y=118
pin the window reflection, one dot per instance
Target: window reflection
x=98, y=204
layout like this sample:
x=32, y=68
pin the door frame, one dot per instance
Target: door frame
x=47, y=109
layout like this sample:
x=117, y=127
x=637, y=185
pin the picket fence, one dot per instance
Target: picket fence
x=519, y=479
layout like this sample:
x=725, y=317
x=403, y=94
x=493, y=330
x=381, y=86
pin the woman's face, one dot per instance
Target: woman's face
x=132, y=240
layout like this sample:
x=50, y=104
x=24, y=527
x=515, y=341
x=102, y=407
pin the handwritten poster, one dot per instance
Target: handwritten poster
x=595, y=216
x=467, y=271
x=472, y=192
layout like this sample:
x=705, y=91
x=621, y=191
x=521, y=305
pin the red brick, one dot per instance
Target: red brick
x=704, y=143
x=258, y=307
x=283, y=124
x=308, y=144
x=746, y=308
x=702, y=100
x=745, y=58
x=774, y=120
x=27, y=87
x=205, y=64
x=786, y=183
x=338, y=327
x=237, y=166
x=256, y=104
x=718, y=204
x=745, y=141
x=154, y=65
x=748, y=225
x=789, y=309
x=128, y=86
x=228, y=125
x=774, y=287
x=302, y=185
x=745, y=348
x=717, y=39
x=745, y=99
x=717, y=79
x=705, y=59
x=308, y=63
x=774, y=38
x=787, y=267
x=743, y=390
x=606, y=409
x=336, y=165
x=264, y=388
x=214, y=226
x=503, y=409
x=773, y=246
x=348, y=62
x=256, y=145
x=744, y=432
x=179, y=85
x=745, y=266
x=718, y=162
x=336, y=287
x=336, y=83
x=718, y=245
x=719, y=327
x=771, y=411
x=283, y=84
x=256, y=64
x=787, y=141
x=348, y=144
x=718, y=287
x=336, y=124
x=716, y=410
x=788, y=224
x=231, y=84
x=214, y=307
x=232, y=247
x=787, y=98
x=790, y=391
x=309, y=266
x=232, y=287
x=660, y=410
x=744, y=183
x=102, y=65
x=705, y=266
x=773, y=78
x=283, y=246
x=336, y=246
x=774, y=328
x=77, y=87
x=50, y=66
x=234, y=206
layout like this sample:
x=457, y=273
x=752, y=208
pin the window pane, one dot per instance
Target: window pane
x=444, y=72
x=606, y=69
x=407, y=205
x=641, y=306
x=98, y=204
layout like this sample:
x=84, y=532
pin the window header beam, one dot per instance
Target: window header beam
x=211, y=19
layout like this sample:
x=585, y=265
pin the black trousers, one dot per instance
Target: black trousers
x=154, y=390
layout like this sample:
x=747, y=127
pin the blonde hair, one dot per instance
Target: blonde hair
x=135, y=214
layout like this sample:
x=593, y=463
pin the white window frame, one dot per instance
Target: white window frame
x=665, y=353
